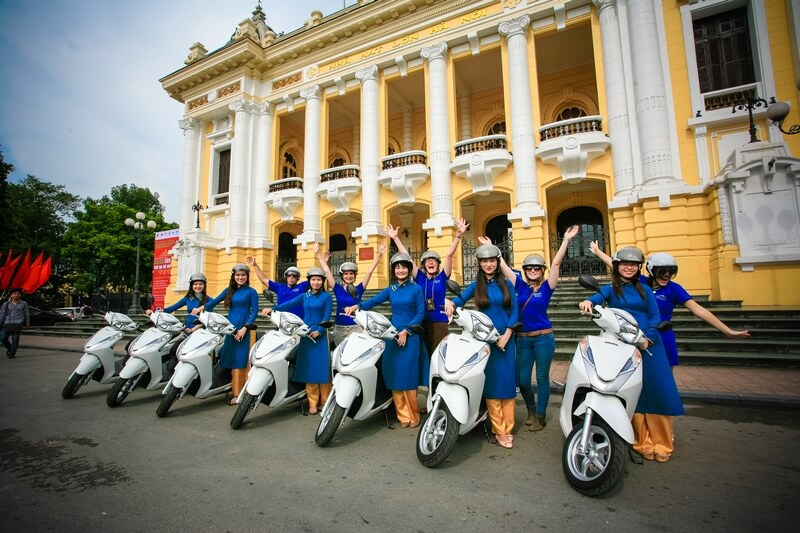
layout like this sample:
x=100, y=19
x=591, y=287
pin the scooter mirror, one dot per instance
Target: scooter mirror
x=268, y=295
x=664, y=325
x=453, y=287
x=589, y=282
x=351, y=290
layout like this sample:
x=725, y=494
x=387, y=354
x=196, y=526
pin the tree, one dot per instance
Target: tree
x=5, y=206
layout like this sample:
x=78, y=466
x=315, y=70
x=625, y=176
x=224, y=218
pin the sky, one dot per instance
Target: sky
x=80, y=101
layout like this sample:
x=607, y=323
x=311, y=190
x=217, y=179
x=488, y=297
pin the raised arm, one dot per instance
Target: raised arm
x=504, y=268
x=374, y=264
x=601, y=255
x=704, y=314
x=250, y=260
x=461, y=229
x=322, y=259
x=392, y=232
x=555, y=267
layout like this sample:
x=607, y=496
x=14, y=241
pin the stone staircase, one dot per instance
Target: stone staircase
x=773, y=342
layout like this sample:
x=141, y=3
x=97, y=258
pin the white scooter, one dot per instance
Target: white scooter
x=196, y=372
x=358, y=388
x=149, y=357
x=455, y=398
x=272, y=360
x=602, y=389
x=97, y=361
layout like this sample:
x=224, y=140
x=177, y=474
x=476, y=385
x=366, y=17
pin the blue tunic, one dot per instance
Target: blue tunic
x=243, y=310
x=667, y=298
x=433, y=289
x=286, y=293
x=313, y=356
x=501, y=380
x=343, y=299
x=403, y=367
x=191, y=304
x=659, y=393
x=534, y=316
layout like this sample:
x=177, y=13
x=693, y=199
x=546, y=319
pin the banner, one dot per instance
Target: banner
x=162, y=264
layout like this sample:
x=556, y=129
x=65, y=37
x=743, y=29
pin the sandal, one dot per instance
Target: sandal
x=504, y=441
x=312, y=410
x=233, y=401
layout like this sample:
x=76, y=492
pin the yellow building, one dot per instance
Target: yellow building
x=629, y=117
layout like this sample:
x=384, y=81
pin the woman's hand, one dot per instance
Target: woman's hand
x=240, y=334
x=594, y=248
x=391, y=231
x=461, y=227
x=314, y=335
x=484, y=240
x=148, y=312
x=250, y=260
x=504, y=338
x=402, y=337
x=266, y=311
x=586, y=307
x=350, y=310
x=449, y=308
x=572, y=231
x=382, y=249
x=197, y=310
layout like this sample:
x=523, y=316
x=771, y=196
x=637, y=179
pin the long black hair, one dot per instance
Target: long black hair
x=233, y=287
x=617, y=282
x=481, y=294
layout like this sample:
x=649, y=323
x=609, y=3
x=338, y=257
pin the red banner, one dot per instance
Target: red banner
x=162, y=264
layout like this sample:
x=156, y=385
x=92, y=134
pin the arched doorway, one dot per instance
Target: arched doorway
x=580, y=260
x=498, y=230
x=287, y=254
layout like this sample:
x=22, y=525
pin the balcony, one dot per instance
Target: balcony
x=480, y=160
x=572, y=144
x=339, y=185
x=403, y=173
x=284, y=196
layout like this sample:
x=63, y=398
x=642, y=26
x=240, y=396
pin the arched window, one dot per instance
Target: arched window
x=570, y=113
x=289, y=166
x=337, y=162
x=498, y=128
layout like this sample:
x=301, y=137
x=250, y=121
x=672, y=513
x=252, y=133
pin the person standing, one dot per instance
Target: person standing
x=536, y=343
x=313, y=366
x=14, y=315
x=344, y=325
x=432, y=278
x=404, y=363
x=241, y=301
x=285, y=291
x=494, y=295
x=659, y=399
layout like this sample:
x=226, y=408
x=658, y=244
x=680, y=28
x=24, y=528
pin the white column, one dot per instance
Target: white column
x=261, y=177
x=466, y=116
x=616, y=98
x=311, y=225
x=357, y=144
x=408, y=129
x=191, y=166
x=439, y=145
x=523, y=143
x=241, y=150
x=370, y=154
x=650, y=93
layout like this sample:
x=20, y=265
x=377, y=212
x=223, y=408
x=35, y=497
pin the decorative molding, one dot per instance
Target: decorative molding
x=198, y=102
x=289, y=80
x=230, y=89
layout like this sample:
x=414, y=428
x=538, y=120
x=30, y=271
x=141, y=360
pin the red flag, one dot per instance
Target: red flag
x=32, y=283
x=8, y=270
x=23, y=272
x=44, y=274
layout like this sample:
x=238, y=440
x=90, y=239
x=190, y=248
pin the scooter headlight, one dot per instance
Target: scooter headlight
x=480, y=329
x=219, y=328
x=376, y=349
x=289, y=326
x=377, y=328
x=290, y=343
x=586, y=350
x=158, y=341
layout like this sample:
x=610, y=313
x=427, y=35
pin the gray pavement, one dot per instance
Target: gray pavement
x=738, y=385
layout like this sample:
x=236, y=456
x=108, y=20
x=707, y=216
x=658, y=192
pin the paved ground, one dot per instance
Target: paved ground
x=754, y=386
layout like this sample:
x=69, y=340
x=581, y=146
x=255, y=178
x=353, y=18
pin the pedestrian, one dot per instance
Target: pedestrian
x=404, y=364
x=536, y=344
x=662, y=269
x=313, y=364
x=241, y=301
x=659, y=399
x=284, y=291
x=14, y=315
x=195, y=297
x=343, y=324
x=494, y=295
x=432, y=278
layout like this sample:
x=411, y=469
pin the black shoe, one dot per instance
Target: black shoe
x=10, y=355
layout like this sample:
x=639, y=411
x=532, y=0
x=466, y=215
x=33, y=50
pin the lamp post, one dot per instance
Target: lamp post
x=197, y=208
x=137, y=225
x=777, y=113
x=751, y=103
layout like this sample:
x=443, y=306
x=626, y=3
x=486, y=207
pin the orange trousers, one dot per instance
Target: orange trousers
x=501, y=415
x=317, y=394
x=652, y=433
x=405, y=403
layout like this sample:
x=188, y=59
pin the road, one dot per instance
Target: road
x=77, y=465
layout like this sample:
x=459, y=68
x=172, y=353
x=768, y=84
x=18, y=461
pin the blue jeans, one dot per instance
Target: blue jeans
x=12, y=334
x=535, y=350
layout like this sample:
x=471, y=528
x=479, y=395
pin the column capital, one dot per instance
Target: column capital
x=369, y=73
x=239, y=105
x=517, y=26
x=603, y=4
x=189, y=123
x=264, y=108
x=436, y=51
x=311, y=93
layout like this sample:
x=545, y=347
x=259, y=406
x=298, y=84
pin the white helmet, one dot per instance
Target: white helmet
x=629, y=254
x=487, y=251
x=662, y=260
x=240, y=267
x=348, y=266
x=197, y=276
x=292, y=270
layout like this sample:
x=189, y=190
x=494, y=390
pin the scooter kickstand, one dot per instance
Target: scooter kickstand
x=488, y=434
x=386, y=418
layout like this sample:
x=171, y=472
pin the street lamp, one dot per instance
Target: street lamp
x=777, y=113
x=197, y=208
x=138, y=224
x=751, y=103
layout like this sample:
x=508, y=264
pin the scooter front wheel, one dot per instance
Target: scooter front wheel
x=122, y=387
x=167, y=401
x=599, y=468
x=437, y=437
x=330, y=420
x=74, y=383
x=244, y=407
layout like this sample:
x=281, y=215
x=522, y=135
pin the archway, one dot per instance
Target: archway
x=580, y=260
x=287, y=253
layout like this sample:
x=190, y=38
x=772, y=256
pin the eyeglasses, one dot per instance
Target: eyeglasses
x=292, y=276
x=534, y=268
x=664, y=272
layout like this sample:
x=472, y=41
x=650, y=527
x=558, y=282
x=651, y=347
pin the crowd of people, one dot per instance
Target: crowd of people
x=516, y=302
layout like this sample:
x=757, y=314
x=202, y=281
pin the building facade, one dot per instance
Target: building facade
x=644, y=121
